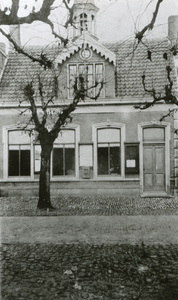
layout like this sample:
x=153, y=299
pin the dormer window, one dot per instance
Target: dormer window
x=87, y=75
x=83, y=22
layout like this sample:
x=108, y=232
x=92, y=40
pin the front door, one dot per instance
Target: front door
x=154, y=167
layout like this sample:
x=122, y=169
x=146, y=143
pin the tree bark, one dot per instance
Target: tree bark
x=44, y=201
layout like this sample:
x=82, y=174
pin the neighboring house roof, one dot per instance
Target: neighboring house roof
x=147, y=58
x=130, y=66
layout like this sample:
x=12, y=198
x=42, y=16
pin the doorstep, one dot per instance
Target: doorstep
x=156, y=194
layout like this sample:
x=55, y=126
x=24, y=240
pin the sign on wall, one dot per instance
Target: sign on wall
x=86, y=157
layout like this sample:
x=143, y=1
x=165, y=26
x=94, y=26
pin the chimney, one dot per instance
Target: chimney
x=15, y=33
x=173, y=29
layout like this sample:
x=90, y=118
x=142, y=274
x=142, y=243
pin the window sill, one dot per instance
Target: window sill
x=71, y=179
x=117, y=178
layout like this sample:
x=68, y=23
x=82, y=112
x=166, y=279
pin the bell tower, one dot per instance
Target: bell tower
x=84, y=12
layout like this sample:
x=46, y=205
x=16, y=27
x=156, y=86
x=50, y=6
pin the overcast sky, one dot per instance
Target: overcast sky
x=117, y=20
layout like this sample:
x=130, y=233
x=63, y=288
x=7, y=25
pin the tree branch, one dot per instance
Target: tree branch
x=43, y=61
x=41, y=15
x=29, y=93
x=140, y=34
x=168, y=97
x=170, y=112
x=13, y=19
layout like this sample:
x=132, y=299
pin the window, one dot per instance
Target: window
x=108, y=151
x=83, y=22
x=64, y=154
x=18, y=153
x=37, y=160
x=131, y=159
x=87, y=75
x=154, y=134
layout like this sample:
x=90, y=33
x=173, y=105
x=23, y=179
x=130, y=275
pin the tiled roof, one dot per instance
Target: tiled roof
x=130, y=66
x=20, y=70
x=133, y=62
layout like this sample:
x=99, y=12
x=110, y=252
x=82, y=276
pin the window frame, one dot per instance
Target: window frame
x=32, y=144
x=108, y=145
x=83, y=17
x=19, y=149
x=6, y=145
x=132, y=170
x=76, y=129
x=63, y=146
x=84, y=63
x=167, y=127
x=107, y=125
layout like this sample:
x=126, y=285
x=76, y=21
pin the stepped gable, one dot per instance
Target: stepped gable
x=132, y=63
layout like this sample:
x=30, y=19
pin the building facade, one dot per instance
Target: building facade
x=110, y=147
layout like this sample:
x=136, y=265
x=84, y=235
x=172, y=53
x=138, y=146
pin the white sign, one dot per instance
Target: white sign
x=86, y=155
x=130, y=163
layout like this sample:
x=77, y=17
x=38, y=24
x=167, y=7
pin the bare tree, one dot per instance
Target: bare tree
x=38, y=89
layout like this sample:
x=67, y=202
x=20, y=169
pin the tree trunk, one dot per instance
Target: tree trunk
x=44, y=183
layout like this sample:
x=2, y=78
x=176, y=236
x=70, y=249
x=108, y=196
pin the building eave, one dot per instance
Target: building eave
x=86, y=40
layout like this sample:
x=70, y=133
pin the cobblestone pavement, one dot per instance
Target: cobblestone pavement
x=94, y=205
x=84, y=271
x=98, y=248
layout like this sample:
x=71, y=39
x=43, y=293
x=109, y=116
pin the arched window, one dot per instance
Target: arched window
x=19, y=152
x=108, y=139
x=64, y=154
x=83, y=22
x=108, y=151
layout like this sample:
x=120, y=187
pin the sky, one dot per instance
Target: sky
x=117, y=20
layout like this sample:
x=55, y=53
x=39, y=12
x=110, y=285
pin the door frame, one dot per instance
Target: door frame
x=155, y=124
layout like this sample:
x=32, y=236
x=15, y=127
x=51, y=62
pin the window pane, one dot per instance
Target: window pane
x=24, y=162
x=81, y=69
x=109, y=135
x=153, y=134
x=19, y=137
x=99, y=69
x=72, y=78
x=89, y=69
x=65, y=137
x=37, y=158
x=13, y=147
x=57, y=161
x=99, y=78
x=13, y=167
x=69, y=161
x=103, y=168
x=83, y=22
x=90, y=91
x=115, y=160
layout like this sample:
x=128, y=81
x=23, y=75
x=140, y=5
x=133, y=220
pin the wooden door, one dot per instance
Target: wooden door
x=154, y=167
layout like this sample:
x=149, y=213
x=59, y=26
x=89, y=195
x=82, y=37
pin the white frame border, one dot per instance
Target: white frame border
x=166, y=125
x=108, y=124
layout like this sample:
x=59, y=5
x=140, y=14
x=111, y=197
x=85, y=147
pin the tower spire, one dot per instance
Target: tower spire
x=85, y=12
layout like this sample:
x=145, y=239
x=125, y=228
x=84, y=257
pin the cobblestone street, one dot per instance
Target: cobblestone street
x=90, y=256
